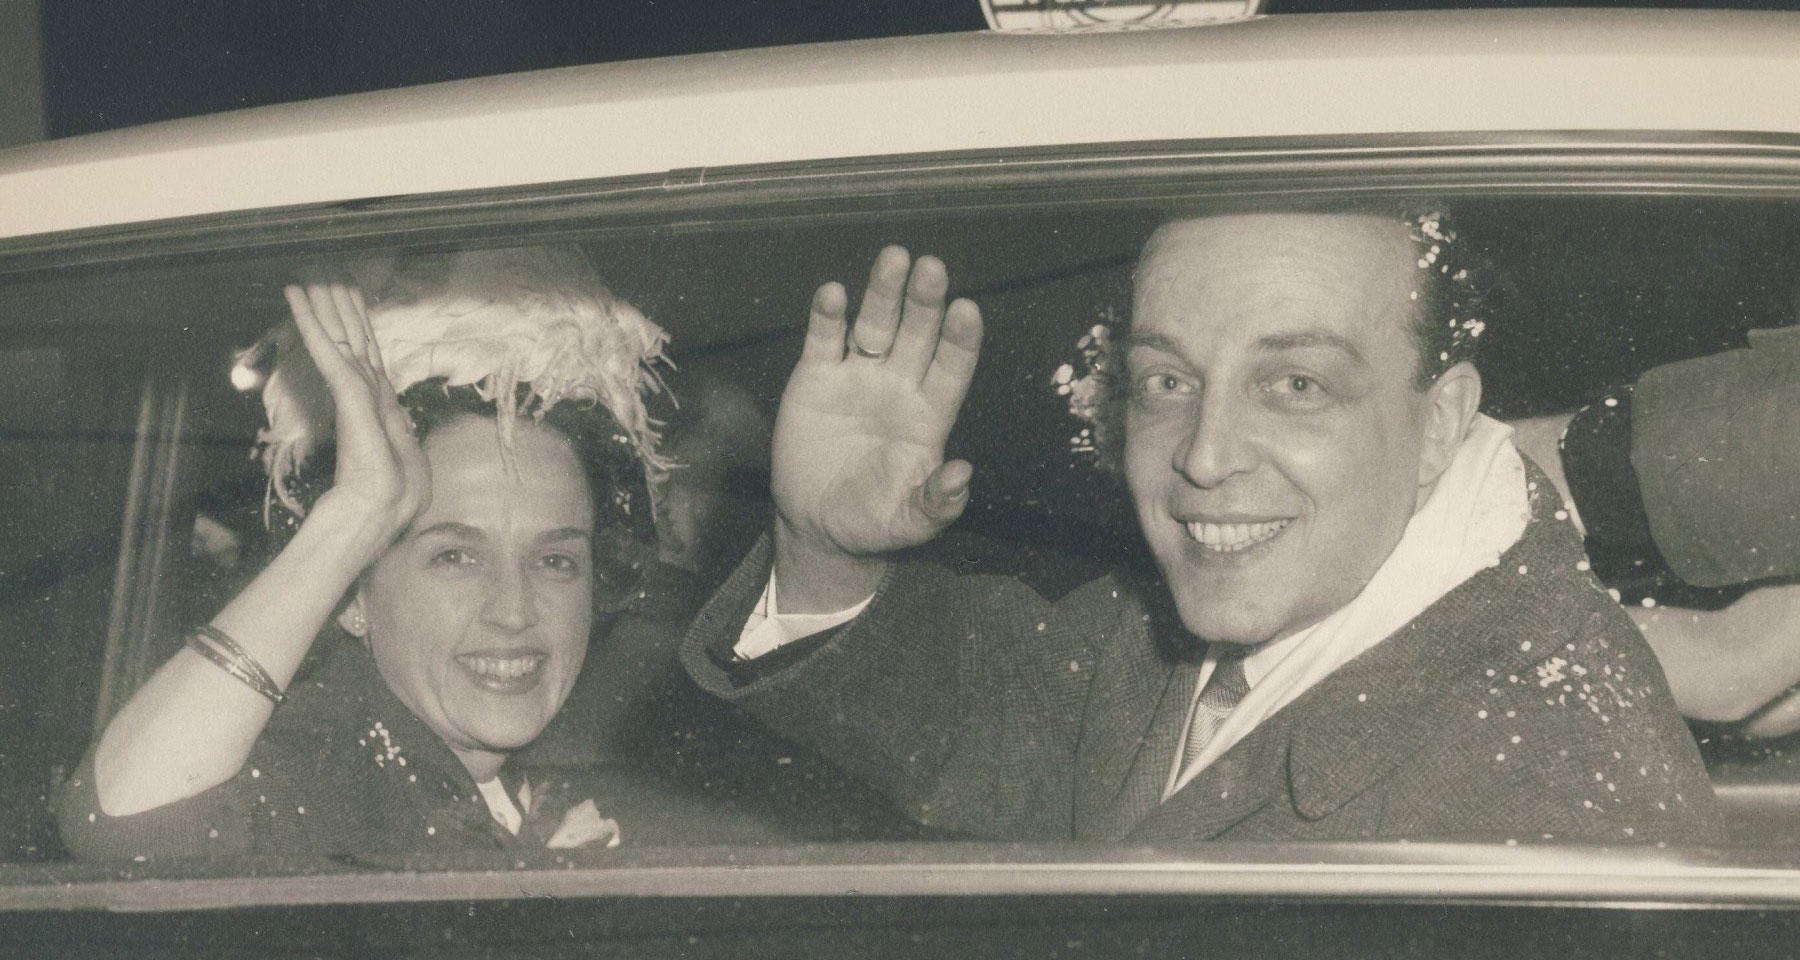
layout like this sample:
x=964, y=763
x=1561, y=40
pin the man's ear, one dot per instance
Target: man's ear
x=352, y=618
x=1451, y=404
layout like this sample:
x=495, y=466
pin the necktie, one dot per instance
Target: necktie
x=1224, y=689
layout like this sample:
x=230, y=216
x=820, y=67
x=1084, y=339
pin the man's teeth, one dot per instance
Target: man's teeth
x=506, y=668
x=1227, y=537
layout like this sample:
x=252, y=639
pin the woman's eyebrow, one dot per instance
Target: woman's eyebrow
x=561, y=534
x=451, y=527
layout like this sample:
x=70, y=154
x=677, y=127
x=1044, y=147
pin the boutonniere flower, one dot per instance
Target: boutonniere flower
x=582, y=826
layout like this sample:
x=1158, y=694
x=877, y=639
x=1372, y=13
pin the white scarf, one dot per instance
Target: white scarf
x=1477, y=511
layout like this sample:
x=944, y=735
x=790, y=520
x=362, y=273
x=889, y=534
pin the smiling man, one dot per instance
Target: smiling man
x=1278, y=442
x=1384, y=625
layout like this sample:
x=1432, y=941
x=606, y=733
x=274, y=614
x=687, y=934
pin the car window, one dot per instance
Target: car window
x=67, y=457
x=135, y=509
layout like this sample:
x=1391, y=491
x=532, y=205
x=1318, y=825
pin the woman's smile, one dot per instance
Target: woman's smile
x=509, y=671
x=479, y=620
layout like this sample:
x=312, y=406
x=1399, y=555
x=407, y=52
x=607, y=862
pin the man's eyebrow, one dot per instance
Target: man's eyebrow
x=1312, y=338
x=1154, y=341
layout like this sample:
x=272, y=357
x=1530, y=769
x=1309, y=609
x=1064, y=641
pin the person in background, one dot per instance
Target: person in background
x=1685, y=492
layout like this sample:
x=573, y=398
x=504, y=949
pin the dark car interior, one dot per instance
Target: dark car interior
x=132, y=506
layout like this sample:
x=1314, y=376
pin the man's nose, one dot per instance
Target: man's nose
x=1217, y=445
x=510, y=605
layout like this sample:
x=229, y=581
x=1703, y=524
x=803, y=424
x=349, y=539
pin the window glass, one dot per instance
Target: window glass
x=134, y=508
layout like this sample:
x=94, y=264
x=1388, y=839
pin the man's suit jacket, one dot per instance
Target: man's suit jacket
x=1521, y=706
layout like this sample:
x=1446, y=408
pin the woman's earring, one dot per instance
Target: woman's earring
x=358, y=625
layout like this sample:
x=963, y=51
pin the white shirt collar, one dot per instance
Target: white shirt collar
x=1478, y=510
x=493, y=792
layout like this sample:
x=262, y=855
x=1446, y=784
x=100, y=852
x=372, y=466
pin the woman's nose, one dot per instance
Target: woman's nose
x=510, y=605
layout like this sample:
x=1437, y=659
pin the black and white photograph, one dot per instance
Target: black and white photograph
x=988, y=478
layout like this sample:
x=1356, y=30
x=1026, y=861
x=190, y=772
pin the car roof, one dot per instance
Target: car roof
x=1272, y=77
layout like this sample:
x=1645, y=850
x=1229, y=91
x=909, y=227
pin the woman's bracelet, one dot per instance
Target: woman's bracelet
x=213, y=644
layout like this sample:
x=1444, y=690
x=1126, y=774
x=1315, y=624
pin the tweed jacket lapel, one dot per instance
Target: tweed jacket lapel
x=1337, y=738
x=1241, y=782
x=1364, y=720
x=1340, y=737
x=1133, y=726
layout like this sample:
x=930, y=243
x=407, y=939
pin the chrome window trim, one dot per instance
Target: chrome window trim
x=1361, y=874
x=1594, y=162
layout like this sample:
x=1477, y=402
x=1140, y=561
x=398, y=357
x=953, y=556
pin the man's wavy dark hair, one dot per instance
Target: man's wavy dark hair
x=1447, y=322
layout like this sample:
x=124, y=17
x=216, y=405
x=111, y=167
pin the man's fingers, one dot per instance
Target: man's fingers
x=825, y=329
x=879, y=315
x=945, y=492
x=921, y=315
x=958, y=348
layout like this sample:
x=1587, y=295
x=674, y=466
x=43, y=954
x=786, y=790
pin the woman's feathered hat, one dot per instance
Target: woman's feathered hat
x=490, y=319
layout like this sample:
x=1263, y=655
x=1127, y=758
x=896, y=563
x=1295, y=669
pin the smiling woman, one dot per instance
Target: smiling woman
x=475, y=545
x=478, y=617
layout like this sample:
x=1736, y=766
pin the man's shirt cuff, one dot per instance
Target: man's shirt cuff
x=768, y=629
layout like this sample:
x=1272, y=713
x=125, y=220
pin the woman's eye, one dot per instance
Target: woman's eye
x=452, y=557
x=561, y=563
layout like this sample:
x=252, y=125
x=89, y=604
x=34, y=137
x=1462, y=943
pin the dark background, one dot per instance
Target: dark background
x=115, y=63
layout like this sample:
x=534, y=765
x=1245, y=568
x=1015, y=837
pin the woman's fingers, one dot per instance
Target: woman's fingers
x=879, y=316
x=415, y=472
x=351, y=379
x=921, y=315
x=362, y=318
x=324, y=308
x=334, y=325
x=355, y=326
x=315, y=334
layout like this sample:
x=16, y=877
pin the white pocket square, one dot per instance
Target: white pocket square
x=584, y=825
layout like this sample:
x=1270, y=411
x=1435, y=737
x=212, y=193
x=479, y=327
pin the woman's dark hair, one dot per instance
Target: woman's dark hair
x=624, y=540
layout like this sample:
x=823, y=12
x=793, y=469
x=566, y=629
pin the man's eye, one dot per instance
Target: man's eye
x=1154, y=386
x=1297, y=389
